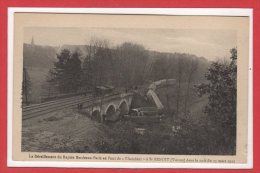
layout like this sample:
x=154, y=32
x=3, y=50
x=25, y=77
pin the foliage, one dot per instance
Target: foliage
x=67, y=72
x=132, y=62
x=122, y=67
x=222, y=93
x=158, y=138
x=97, y=65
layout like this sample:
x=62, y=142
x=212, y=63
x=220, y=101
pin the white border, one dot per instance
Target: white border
x=156, y=11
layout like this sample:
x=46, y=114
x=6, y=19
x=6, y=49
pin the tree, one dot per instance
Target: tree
x=179, y=81
x=221, y=90
x=67, y=71
x=59, y=71
x=159, y=68
x=26, y=87
x=191, y=72
x=97, y=66
x=88, y=73
x=73, y=72
x=133, y=64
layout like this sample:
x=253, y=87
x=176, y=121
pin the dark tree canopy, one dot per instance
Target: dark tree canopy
x=67, y=71
x=221, y=90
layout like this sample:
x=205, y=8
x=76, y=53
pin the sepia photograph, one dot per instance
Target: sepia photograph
x=130, y=88
x=135, y=91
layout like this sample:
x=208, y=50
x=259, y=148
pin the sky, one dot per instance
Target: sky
x=210, y=44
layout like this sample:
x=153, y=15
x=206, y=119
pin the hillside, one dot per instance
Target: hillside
x=38, y=56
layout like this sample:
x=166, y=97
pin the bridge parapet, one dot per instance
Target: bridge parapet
x=109, y=107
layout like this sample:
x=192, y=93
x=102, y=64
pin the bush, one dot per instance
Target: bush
x=222, y=94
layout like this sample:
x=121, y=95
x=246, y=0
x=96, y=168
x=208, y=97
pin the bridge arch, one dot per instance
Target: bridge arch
x=96, y=109
x=123, y=107
x=110, y=111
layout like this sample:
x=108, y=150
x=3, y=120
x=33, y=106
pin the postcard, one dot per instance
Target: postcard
x=130, y=90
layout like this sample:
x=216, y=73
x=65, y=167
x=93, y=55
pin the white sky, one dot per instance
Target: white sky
x=210, y=44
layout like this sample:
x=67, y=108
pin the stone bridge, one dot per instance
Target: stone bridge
x=109, y=107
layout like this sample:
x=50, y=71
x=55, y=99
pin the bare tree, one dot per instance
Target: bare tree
x=97, y=61
x=97, y=66
x=179, y=80
x=192, y=70
x=166, y=70
x=133, y=59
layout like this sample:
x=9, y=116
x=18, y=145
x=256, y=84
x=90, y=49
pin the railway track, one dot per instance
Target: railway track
x=50, y=102
x=36, y=110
